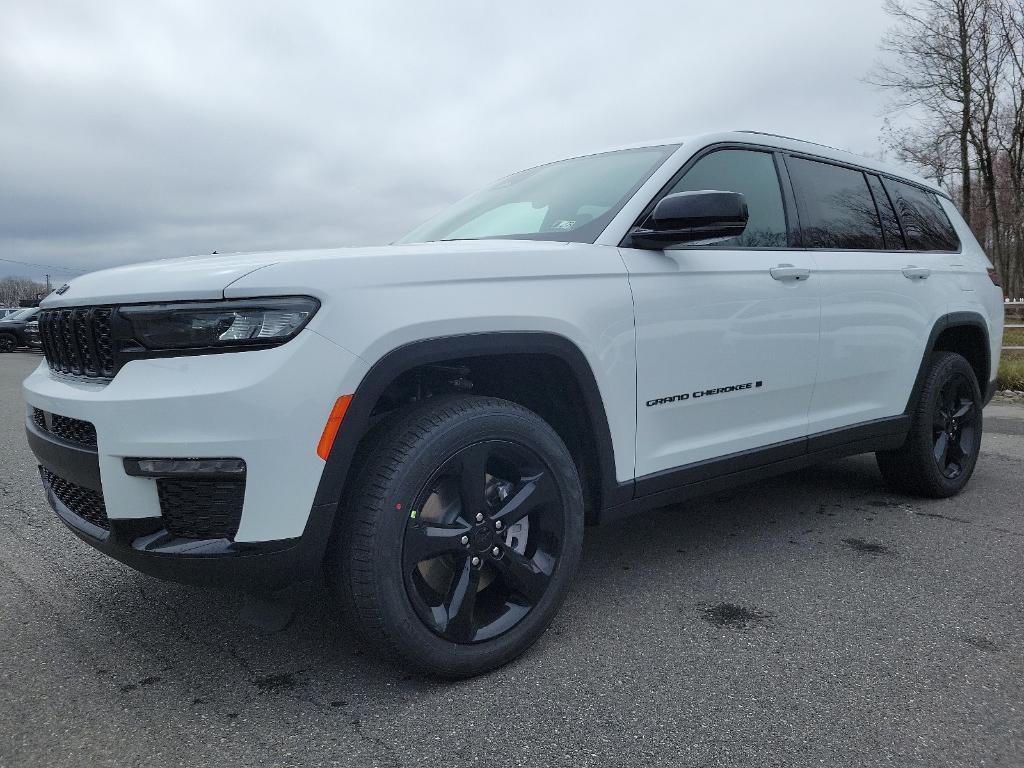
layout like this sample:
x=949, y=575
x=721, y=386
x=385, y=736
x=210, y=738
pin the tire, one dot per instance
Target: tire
x=8, y=343
x=402, y=562
x=941, y=449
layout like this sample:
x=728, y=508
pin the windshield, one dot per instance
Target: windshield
x=21, y=314
x=570, y=201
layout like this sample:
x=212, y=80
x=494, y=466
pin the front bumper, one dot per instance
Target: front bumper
x=145, y=545
x=266, y=407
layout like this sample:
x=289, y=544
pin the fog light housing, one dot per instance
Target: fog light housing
x=189, y=467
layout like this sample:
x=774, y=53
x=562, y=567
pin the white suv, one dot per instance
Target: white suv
x=433, y=422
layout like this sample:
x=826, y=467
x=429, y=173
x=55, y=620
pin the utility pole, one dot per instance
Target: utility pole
x=47, y=285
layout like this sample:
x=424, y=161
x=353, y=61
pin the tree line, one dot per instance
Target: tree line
x=959, y=66
x=14, y=290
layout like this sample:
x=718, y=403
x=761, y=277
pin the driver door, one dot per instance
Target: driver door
x=727, y=335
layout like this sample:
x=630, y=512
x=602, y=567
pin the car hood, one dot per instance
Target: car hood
x=208, y=277
x=192, y=277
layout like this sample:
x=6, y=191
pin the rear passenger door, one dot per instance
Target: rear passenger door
x=879, y=301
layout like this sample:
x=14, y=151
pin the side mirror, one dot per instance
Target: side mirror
x=687, y=217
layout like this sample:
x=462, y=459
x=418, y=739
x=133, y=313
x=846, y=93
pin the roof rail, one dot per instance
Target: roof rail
x=791, y=138
x=929, y=185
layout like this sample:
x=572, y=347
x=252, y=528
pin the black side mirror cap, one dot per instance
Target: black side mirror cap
x=689, y=217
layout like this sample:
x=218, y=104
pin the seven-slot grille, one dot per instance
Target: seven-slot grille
x=84, y=502
x=77, y=341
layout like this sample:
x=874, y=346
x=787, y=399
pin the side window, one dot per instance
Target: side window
x=927, y=226
x=836, y=207
x=890, y=224
x=752, y=174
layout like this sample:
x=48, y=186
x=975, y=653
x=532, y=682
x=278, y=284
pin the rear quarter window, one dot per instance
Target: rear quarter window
x=925, y=223
x=890, y=223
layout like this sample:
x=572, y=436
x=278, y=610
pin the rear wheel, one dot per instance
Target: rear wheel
x=7, y=342
x=942, y=447
x=461, y=540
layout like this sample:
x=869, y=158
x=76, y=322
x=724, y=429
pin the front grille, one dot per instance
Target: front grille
x=66, y=428
x=201, y=509
x=77, y=341
x=84, y=502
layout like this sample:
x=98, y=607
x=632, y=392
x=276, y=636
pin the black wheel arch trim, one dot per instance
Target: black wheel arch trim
x=989, y=392
x=944, y=323
x=438, y=349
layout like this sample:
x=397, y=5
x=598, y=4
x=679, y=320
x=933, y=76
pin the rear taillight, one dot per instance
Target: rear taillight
x=994, y=277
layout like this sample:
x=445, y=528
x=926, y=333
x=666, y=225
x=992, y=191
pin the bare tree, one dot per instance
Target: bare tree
x=1010, y=130
x=987, y=68
x=929, y=147
x=14, y=290
x=959, y=66
x=931, y=68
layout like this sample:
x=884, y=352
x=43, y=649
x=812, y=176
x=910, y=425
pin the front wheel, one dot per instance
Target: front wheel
x=7, y=342
x=462, y=536
x=942, y=447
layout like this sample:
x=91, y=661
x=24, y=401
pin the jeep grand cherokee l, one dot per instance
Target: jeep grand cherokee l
x=432, y=423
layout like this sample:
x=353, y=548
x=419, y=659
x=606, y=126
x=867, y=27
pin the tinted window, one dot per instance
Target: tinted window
x=836, y=207
x=753, y=175
x=890, y=225
x=925, y=223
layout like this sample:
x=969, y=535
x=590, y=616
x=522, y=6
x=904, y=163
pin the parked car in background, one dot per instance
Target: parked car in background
x=31, y=335
x=12, y=329
x=6, y=311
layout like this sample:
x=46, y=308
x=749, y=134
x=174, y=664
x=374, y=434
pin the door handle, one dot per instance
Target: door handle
x=916, y=273
x=789, y=272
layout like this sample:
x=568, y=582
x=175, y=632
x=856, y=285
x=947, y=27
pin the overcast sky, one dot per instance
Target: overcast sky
x=139, y=130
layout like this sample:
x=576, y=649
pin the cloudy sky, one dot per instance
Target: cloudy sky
x=139, y=130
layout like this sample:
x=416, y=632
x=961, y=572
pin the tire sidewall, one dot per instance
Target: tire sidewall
x=412, y=638
x=946, y=367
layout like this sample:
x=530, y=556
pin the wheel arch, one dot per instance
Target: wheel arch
x=501, y=345
x=965, y=333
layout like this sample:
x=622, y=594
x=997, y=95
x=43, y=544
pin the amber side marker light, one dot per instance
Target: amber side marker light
x=994, y=277
x=323, y=448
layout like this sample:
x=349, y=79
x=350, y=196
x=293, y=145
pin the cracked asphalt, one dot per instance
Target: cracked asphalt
x=811, y=620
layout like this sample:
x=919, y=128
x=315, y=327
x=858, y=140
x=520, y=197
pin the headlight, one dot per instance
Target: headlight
x=213, y=325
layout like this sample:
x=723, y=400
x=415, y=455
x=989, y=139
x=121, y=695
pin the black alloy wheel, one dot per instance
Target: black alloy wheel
x=941, y=449
x=482, y=541
x=461, y=534
x=8, y=343
x=955, y=436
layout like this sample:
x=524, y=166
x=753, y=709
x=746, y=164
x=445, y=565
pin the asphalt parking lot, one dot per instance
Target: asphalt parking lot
x=813, y=619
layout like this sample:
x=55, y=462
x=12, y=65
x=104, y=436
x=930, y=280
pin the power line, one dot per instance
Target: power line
x=45, y=266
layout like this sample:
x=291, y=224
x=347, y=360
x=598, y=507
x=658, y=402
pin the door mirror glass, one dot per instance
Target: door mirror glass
x=693, y=217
